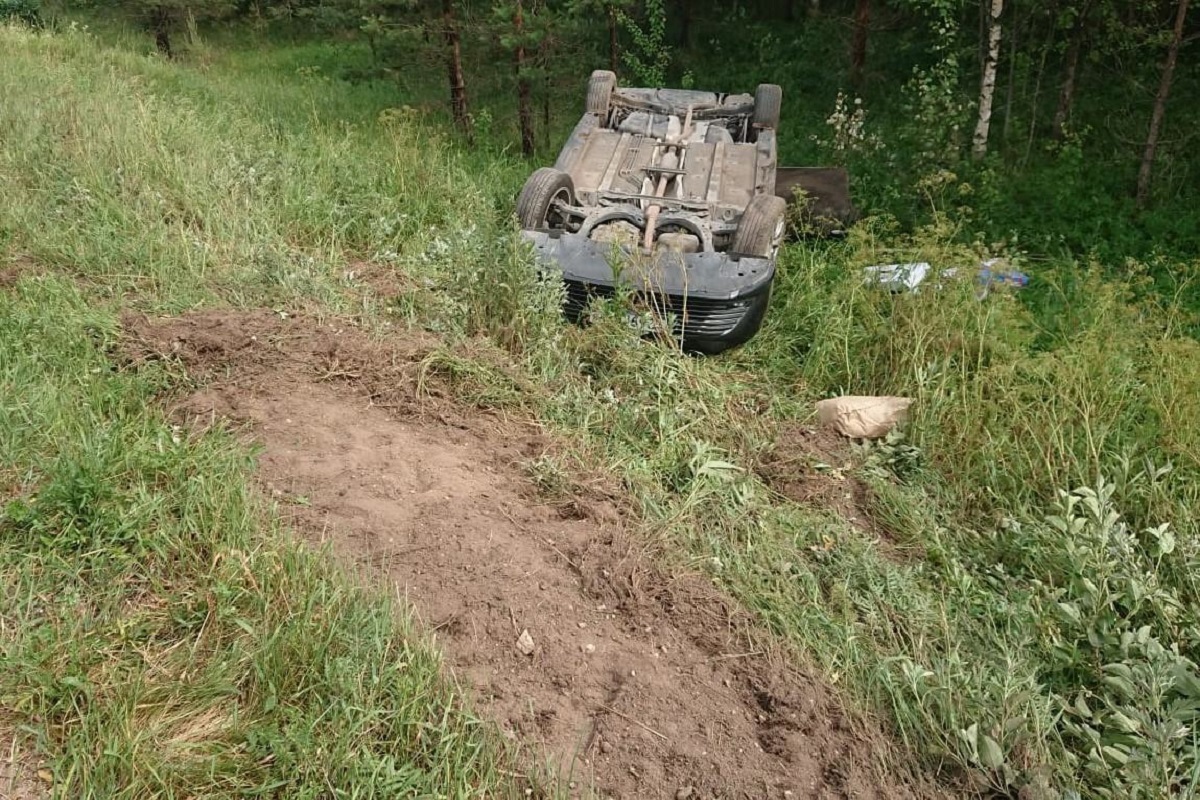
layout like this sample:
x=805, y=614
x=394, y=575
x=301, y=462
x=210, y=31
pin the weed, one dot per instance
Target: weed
x=650, y=57
x=163, y=636
x=1034, y=635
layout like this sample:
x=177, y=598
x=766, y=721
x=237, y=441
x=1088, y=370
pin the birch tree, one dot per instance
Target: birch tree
x=987, y=89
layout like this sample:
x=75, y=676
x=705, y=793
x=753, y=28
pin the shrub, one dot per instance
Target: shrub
x=27, y=11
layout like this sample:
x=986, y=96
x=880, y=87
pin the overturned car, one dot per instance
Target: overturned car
x=669, y=195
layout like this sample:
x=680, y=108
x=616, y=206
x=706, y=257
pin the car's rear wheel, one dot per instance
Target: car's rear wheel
x=599, y=92
x=761, y=230
x=768, y=98
x=536, y=205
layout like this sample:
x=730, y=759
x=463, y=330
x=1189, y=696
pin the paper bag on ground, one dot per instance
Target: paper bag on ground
x=863, y=417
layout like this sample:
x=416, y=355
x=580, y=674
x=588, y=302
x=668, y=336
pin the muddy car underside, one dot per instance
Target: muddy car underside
x=712, y=169
x=671, y=194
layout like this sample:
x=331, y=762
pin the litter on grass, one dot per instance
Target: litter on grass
x=908, y=277
x=858, y=417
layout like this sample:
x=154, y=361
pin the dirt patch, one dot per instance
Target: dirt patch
x=813, y=466
x=12, y=270
x=385, y=281
x=19, y=773
x=637, y=683
x=817, y=467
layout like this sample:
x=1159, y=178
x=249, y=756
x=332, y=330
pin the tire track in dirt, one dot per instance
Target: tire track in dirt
x=639, y=684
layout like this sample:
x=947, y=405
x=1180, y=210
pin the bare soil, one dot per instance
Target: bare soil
x=12, y=270
x=19, y=778
x=814, y=466
x=638, y=684
x=817, y=467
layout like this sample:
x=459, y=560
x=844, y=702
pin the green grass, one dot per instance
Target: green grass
x=163, y=636
x=1030, y=626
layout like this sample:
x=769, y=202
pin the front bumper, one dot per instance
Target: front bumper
x=717, y=300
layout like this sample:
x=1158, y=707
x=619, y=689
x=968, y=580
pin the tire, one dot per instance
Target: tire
x=762, y=226
x=768, y=98
x=599, y=92
x=544, y=186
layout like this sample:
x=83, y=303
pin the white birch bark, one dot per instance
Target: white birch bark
x=987, y=89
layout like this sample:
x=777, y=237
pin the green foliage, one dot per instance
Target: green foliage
x=650, y=56
x=935, y=105
x=1125, y=635
x=1018, y=597
x=536, y=20
x=27, y=11
x=138, y=655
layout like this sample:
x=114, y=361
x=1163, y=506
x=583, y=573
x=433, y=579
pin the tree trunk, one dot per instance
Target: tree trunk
x=1066, y=95
x=685, y=23
x=858, y=50
x=160, y=23
x=524, y=95
x=1035, y=104
x=544, y=55
x=982, y=50
x=814, y=8
x=614, y=47
x=987, y=89
x=1011, y=89
x=1160, y=107
x=458, y=84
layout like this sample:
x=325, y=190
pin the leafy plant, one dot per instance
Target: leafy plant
x=27, y=11
x=1121, y=636
x=651, y=56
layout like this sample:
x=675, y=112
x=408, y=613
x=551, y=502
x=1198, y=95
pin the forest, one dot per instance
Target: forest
x=1064, y=126
x=999, y=599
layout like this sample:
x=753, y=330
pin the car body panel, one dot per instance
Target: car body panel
x=710, y=276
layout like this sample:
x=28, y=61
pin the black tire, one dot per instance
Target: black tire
x=599, y=92
x=544, y=186
x=768, y=98
x=761, y=229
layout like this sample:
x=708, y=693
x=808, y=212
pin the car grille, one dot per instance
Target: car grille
x=693, y=316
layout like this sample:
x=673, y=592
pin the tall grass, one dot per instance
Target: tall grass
x=162, y=635
x=1029, y=626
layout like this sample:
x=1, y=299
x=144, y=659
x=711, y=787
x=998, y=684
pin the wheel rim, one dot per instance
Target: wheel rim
x=554, y=218
x=777, y=237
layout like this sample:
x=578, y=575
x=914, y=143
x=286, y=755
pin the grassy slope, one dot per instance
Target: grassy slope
x=250, y=183
x=161, y=635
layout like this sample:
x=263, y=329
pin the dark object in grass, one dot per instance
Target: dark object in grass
x=666, y=196
x=819, y=197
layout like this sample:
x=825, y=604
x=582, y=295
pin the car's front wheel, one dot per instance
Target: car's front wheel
x=760, y=232
x=537, y=205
